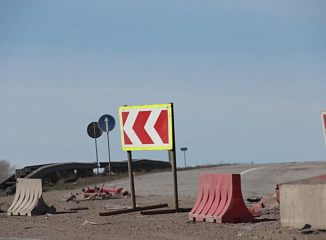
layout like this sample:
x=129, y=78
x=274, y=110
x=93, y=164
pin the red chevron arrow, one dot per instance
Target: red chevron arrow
x=139, y=129
x=162, y=126
x=324, y=118
x=125, y=136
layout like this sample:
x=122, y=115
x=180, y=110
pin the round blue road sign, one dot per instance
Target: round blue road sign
x=106, y=123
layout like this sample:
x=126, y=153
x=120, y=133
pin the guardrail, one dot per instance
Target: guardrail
x=82, y=169
x=138, y=165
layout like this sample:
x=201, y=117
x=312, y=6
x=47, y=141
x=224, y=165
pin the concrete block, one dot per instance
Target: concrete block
x=303, y=204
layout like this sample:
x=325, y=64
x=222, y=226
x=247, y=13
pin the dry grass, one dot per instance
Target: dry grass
x=205, y=166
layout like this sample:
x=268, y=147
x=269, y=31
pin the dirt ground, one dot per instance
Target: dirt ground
x=88, y=224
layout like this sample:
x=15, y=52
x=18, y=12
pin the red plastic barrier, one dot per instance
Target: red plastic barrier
x=220, y=200
x=200, y=194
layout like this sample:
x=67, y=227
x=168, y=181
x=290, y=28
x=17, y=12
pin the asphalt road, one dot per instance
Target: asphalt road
x=257, y=180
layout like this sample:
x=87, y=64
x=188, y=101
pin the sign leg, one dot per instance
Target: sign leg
x=184, y=156
x=175, y=182
x=96, y=157
x=131, y=179
x=174, y=163
x=107, y=133
x=94, y=127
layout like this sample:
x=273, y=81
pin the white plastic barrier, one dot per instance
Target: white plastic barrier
x=28, y=200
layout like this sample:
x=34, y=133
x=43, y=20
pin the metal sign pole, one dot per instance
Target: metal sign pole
x=106, y=123
x=131, y=179
x=107, y=134
x=184, y=156
x=184, y=149
x=96, y=150
x=96, y=157
x=174, y=163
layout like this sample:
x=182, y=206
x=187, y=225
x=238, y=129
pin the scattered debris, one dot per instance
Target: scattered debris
x=306, y=226
x=93, y=223
x=308, y=230
x=269, y=202
x=88, y=222
x=255, y=210
x=256, y=199
x=98, y=194
x=111, y=206
x=79, y=208
x=264, y=205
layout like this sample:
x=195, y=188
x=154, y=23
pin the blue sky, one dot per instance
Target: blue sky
x=247, y=78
